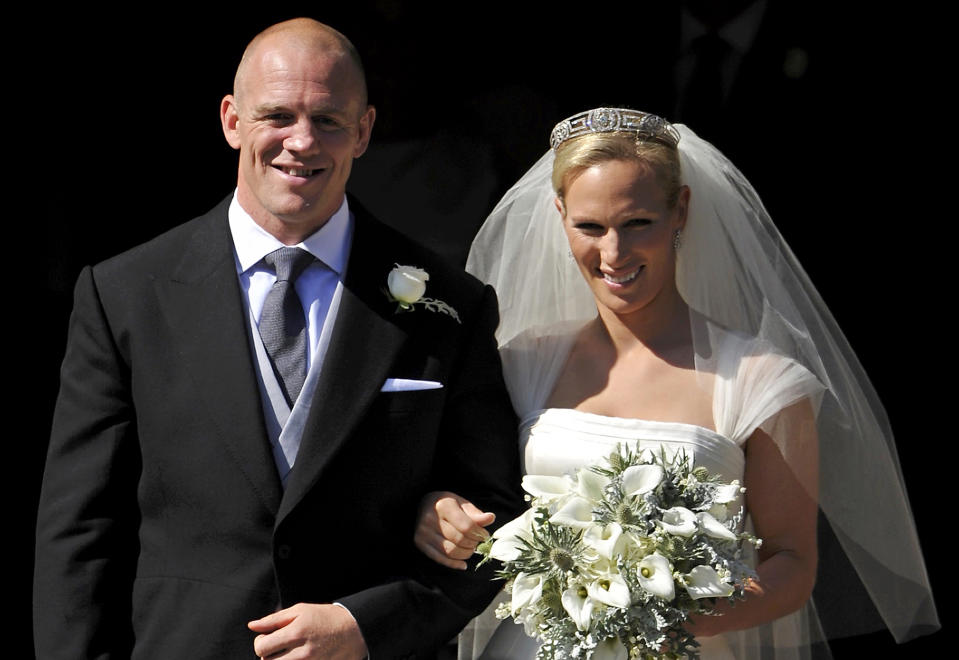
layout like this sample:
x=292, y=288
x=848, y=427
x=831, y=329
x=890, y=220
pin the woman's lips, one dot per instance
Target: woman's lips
x=623, y=279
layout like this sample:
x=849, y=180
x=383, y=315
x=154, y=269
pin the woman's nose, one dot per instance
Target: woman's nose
x=611, y=248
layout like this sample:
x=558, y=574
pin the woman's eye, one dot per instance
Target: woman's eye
x=590, y=227
x=638, y=222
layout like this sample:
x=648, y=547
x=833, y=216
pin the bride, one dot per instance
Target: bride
x=646, y=296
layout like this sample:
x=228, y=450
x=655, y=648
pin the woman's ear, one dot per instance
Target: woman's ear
x=682, y=206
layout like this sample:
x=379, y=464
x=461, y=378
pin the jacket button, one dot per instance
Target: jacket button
x=284, y=551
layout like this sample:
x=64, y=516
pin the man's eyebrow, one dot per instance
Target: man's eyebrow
x=268, y=108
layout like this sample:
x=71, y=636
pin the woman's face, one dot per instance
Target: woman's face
x=621, y=232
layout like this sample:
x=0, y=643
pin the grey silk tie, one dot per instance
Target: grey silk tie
x=282, y=322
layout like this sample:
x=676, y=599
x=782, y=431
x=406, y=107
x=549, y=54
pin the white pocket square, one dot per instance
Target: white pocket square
x=408, y=385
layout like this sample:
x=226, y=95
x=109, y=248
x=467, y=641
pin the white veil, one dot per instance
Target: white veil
x=735, y=270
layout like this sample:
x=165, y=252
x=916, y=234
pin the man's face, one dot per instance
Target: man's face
x=298, y=120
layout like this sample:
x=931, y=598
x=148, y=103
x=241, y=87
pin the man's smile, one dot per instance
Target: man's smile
x=301, y=172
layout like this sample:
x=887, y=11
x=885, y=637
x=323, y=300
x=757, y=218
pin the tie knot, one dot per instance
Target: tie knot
x=288, y=262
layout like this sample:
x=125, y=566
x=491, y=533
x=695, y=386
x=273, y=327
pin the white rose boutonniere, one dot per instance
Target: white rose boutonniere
x=406, y=286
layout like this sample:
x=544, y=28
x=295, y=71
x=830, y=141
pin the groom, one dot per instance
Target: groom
x=210, y=493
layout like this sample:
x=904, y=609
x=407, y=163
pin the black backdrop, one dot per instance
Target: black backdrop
x=117, y=138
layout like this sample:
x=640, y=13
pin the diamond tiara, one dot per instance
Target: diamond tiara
x=608, y=120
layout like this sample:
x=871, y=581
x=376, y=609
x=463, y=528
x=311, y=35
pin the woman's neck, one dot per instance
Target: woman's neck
x=659, y=327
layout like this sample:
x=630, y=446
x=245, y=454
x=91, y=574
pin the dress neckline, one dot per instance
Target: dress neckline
x=636, y=422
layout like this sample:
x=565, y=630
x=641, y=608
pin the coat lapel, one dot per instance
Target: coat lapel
x=364, y=346
x=204, y=304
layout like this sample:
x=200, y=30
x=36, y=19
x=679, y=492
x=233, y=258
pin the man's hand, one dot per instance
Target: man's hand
x=449, y=528
x=309, y=631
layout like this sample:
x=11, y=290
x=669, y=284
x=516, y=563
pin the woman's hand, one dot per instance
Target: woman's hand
x=449, y=528
x=704, y=625
x=780, y=497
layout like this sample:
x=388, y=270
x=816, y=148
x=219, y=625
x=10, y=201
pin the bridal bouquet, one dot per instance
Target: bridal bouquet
x=610, y=562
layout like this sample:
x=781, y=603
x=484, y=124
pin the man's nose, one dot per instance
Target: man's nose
x=302, y=137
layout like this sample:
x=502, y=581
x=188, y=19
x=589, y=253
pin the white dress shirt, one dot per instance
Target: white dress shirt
x=318, y=288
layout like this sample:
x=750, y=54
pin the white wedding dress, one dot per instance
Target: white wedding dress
x=735, y=271
x=750, y=385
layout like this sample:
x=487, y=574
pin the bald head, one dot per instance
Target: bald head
x=299, y=117
x=306, y=35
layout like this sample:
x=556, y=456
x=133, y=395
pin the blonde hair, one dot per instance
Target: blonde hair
x=580, y=153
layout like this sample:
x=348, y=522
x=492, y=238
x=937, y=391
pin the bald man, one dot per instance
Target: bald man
x=205, y=497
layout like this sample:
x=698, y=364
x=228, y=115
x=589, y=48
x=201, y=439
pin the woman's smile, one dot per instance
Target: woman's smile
x=621, y=279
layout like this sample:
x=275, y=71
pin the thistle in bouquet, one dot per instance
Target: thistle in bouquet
x=611, y=562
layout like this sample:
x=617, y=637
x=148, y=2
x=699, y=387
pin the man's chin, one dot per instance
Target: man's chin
x=299, y=208
x=303, y=218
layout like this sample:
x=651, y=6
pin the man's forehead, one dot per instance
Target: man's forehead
x=318, y=94
x=282, y=78
x=276, y=66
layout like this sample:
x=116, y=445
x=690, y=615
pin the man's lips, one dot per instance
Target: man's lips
x=301, y=172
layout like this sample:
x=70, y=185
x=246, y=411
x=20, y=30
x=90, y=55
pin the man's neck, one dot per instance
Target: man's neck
x=289, y=231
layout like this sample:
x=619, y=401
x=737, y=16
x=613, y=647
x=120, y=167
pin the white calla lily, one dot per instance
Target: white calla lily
x=704, y=582
x=518, y=526
x=508, y=539
x=719, y=511
x=656, y=576
x=527, y=589
x=640, y=479
x=610, y=589
x=604, y=539
x=714, y=528
x=576, y=512
x=578, y=605
x=546, y=487
x=591, y=485
x=679, y=521
x=727, y=493
x=508, y=549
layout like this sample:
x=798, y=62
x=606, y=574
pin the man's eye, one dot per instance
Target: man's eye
x=638, y=222
x=326, y=122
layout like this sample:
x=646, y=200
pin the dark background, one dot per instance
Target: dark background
x=830, y=114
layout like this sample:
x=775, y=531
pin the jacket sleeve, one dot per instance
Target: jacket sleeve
x=86, y=525
x=477, y=457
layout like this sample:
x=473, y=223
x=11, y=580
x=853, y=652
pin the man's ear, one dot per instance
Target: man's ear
x=364, y=131
x=229, y=117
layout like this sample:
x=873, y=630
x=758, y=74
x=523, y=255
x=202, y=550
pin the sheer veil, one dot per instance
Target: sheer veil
x=737, y=274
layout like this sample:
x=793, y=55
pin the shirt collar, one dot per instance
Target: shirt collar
x=330, y=243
